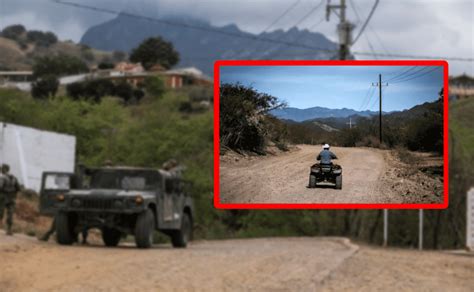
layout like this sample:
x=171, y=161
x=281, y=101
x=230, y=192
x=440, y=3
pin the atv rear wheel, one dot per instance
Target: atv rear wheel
x=339, y=182
x=144, y=229
x=312, y=181
x=110, y=236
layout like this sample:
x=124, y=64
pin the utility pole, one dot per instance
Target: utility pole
x=379, y=84
x=344, y=28
x=385, y=227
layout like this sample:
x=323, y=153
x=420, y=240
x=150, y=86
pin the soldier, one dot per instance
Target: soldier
x=9, y=187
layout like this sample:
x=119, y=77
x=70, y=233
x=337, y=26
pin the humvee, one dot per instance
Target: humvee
x=119, y=201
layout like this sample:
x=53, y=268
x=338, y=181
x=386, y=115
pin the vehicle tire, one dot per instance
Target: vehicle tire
x=339, y=182
x=64, y=229
x=144, y=228
x=110, y=236
x=312, y=181
x=181, y=237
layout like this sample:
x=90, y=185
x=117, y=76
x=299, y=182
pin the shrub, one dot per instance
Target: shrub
x=45, y=87
x=13, y=32
x=60, y=65
x=155, y=86
x=154, y=51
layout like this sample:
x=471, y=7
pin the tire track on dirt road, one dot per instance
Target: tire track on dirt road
x=284, y=178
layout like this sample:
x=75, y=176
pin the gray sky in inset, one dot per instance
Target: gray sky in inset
x=414, y=27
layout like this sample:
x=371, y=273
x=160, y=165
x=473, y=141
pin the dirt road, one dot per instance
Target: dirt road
x=265, y=264
x=297, y=264
x=284, y=178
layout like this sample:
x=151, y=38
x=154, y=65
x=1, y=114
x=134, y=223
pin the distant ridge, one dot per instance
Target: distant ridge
x=300, y=115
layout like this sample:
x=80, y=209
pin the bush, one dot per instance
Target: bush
x=60, y=65
x=43, y=39
x=45, y=87
x=106, y=65
x=155, y=86
x=13, y=32
x=242, y=113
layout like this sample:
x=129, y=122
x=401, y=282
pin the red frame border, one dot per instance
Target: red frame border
x=221, y=63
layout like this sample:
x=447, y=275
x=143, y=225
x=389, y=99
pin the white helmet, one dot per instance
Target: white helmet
x=326, y=146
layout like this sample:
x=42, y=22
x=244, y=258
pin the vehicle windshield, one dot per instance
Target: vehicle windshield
x=140, y=180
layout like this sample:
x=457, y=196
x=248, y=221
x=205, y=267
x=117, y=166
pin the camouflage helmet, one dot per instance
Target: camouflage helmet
x=170, y=164
x=5, y=167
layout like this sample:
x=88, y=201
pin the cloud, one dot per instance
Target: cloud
x=417, y=27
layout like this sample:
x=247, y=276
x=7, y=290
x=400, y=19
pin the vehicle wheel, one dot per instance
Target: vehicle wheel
x=180, y=238
x=312, y=181
x=144, y=228
x=64, y=229
x=339, y=182
x=110, y=236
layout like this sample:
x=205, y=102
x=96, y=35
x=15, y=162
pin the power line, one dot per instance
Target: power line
x=281, y=16
x=366, y=21
x=420, y=70
x=249, y=36
x=189, y=26
x=272, y=24
x=418, y=76
x=401, y=73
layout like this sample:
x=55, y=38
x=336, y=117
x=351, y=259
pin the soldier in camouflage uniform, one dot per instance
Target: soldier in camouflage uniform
x=9, y=187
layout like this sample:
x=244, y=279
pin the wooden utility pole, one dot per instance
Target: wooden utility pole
x=379, y=84
x=420, y=229
x=385, y=227
x=344, y=28
x=380, y=107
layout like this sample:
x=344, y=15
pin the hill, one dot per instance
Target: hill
x=299, y=115
x=19, y=54
x=201, y=47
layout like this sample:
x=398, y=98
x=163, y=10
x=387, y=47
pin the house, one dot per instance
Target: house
x=178, y=78
x=461, y=87
x=16, y=76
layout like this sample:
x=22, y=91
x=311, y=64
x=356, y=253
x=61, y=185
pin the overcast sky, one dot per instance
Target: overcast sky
x=341, y=86
x=416, y=27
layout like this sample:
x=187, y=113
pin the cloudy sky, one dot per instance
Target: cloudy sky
x=341, y=86
x=414, y=27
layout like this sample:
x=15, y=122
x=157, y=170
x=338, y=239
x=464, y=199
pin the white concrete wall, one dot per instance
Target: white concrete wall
x=30, y=151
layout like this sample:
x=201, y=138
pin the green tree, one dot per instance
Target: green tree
x=45, y=87
x=154, y=51
x=43, y=39
x=13, y=32
x=60, y=65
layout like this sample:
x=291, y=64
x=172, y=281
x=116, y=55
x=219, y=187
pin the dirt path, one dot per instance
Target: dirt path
x=391, y=269
x=298, y=264
x=264, y=264
x=284, y=178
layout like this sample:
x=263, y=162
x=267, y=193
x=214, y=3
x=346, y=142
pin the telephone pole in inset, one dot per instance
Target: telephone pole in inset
x=379, y=84
x=344, y=28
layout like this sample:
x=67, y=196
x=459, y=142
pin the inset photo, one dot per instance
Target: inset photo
x=331, y=134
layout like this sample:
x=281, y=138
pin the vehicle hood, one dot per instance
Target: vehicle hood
x=109, y=192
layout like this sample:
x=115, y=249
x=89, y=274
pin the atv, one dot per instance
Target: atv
x=331, y=173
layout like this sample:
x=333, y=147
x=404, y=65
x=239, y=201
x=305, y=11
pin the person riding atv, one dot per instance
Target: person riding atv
x=325, y=171
x=325, y=155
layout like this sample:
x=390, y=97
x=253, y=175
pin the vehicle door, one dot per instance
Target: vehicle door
x=53, y=184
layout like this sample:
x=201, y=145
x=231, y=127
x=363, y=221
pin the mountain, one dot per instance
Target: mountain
x=201, y=47
x=299, y=115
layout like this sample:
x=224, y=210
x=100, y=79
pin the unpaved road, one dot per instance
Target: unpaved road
x=265, y=264
x=284, y=178
x=297, y=264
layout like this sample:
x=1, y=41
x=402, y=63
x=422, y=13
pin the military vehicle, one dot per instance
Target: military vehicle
x=325, y=173
x=119, y=201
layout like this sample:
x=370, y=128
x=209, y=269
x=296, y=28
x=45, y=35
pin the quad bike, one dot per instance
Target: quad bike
x=331, y=173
